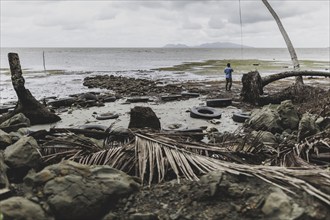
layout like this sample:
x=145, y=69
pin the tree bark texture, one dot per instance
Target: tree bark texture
x=27, y=104
x=252, y=87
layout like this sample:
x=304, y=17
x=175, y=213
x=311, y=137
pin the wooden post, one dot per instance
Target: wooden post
x=27, y=104
x=43, y=60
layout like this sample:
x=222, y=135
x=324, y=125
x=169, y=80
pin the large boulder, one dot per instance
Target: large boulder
x=5, y=139
x=23, y=153
x=78, y=192
x=280, y=206
x=143, y=117
x=14, y=123
x=266, y=119
x=307, y=126
x=19, y=208
x=288, y=115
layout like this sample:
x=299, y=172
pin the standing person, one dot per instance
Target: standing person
x=228, y=71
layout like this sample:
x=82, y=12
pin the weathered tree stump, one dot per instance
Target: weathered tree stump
x=253, y=84
x=27, y=104
x=252, y=87
x=143, y=117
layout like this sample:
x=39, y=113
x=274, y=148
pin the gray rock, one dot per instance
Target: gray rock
x=75, y=191
x=5, y=139
x=279, y=206
x=19, y=208
x=288, y=115
x=16, y=119
x=143, y=117
x=213, y=180
x=266, y=138
x=88, y=96
x=266, y=119
x=23, y=153
x=307, y=126
x=3, y=168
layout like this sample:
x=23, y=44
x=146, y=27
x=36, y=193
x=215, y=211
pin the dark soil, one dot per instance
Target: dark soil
x=235, y=197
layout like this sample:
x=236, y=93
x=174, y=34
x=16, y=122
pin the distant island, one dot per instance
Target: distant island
x=208, y=45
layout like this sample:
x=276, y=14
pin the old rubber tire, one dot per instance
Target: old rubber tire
x=109, y=99
x=204, y=112
x=219, y=102
x=106, y=116
x=241, y=117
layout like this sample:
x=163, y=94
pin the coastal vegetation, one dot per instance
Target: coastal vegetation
x=215, y=67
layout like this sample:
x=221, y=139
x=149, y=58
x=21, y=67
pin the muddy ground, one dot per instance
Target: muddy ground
x=312, y=100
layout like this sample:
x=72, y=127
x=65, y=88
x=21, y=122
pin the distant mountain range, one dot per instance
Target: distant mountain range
x=208, y=45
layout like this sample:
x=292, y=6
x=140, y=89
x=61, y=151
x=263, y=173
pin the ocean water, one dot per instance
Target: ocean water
x=66, y=67
x=130, y=59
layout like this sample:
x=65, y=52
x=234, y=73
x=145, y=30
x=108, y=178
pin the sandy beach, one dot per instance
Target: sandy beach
x=174, y=112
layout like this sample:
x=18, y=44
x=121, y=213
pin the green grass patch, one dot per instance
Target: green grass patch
x=211, y=67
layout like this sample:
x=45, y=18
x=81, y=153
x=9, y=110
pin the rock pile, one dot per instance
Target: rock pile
x=129, y=86
x=71, y=191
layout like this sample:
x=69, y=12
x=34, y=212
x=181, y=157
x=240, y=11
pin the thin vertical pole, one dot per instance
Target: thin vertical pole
x=43, y=59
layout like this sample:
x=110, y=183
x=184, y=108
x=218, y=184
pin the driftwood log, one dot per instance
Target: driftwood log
x=27, y=104
x=253, y=83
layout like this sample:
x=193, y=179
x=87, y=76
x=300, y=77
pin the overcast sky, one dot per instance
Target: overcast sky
x=156, y=23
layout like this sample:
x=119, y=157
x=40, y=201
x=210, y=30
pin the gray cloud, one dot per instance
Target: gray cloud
x=155, y=23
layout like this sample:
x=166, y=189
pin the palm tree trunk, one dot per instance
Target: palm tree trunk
x=296, y=66
x=271, y=78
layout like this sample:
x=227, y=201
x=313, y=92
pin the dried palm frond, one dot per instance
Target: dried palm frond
x=65, y=146
x=153, y=153
x=312, y=150
x=154, y=158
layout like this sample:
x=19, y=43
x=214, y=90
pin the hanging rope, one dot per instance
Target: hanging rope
x=240, y=20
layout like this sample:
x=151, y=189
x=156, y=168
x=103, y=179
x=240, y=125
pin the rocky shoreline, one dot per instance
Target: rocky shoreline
x=48, y=174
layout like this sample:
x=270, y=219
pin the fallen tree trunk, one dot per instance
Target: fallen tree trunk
x=253, y=83
x=271, y=78
x=27, y=104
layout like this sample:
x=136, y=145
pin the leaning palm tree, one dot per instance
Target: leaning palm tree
x=253, y=83
x=292, y=51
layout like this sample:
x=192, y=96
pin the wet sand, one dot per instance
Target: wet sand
x=174, y=112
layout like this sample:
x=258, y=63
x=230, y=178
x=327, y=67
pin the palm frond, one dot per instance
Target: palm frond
x=155, y=158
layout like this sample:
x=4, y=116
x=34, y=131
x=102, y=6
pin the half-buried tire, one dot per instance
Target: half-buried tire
x=106, y=116
x=204, y=112
x=241, y=117
x=219, y=102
